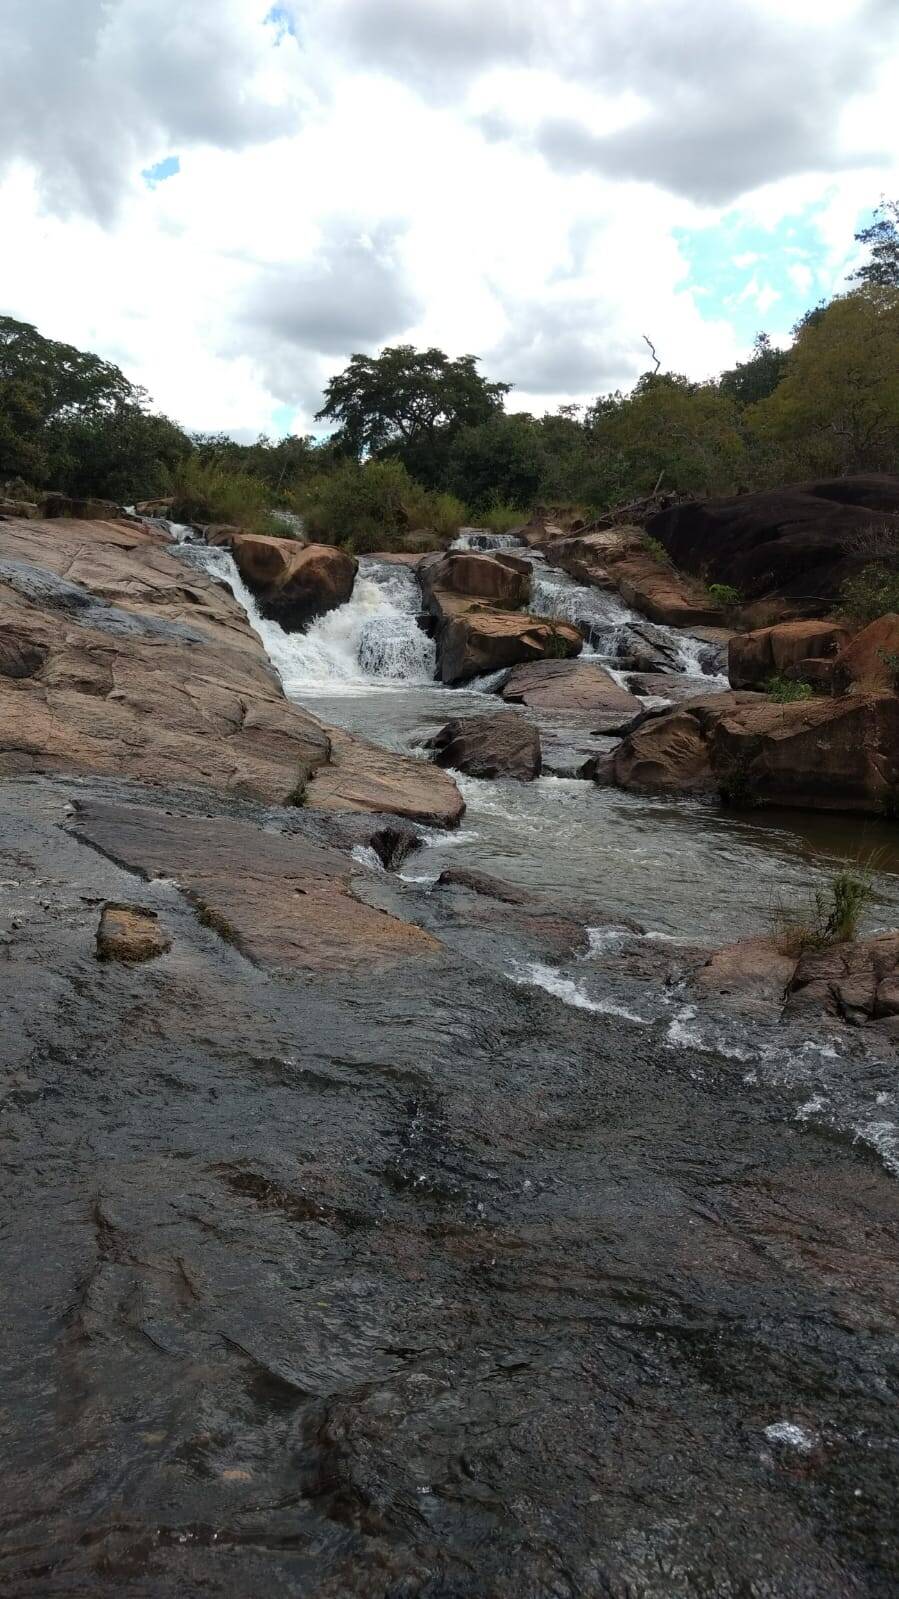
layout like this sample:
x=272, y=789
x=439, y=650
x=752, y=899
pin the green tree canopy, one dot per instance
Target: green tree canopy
x=837, y=408
x=882, y=238
x=409, y=403
x=753, y=380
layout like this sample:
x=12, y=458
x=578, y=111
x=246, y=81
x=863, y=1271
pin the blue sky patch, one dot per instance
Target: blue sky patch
x=161, y=170
x=758, y=278
x=280, y=18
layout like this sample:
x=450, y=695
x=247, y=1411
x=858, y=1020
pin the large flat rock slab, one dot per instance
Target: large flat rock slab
x=282, y=901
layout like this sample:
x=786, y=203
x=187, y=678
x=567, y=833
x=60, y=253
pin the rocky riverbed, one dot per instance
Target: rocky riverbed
x=389, y=1229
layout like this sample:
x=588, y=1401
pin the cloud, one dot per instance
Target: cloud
x=352, y=293
x=90, y=89
x=570, y=347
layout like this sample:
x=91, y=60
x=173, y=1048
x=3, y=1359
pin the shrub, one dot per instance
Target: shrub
x=873, y=592
x=785, y=692
x=657, y=550
x=502, y=518
x=375, y=505
x=725, y=595
x=832, y=915
x=209, y=492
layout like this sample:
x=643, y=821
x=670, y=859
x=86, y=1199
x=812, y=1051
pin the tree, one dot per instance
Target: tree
x=753, y=380
x=837, y=409
x=409, y=403
x=121, y=454
x=44, y=383
x=501, y=460
x=684, y=434
x=882, y=237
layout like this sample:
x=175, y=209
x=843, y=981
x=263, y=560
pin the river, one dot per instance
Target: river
x=638, y=871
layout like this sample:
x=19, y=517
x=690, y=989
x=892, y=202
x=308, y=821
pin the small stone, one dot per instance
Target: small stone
x=234, y=1474
x=130, y=933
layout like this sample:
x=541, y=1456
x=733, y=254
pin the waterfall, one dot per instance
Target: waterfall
x=372, y=641
x=480, y=538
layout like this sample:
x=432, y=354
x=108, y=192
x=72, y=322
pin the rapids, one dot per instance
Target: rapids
x=665, y=872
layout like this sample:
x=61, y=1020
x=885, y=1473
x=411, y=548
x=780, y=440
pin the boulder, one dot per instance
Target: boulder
x=667, y=754
x=796, y=542
x=18, y=508
x=154, y=507
x=364, y=777
x=619, y=558
x=753, y=658
x=583, y=689
x=293, y=583
x=82, y=509
x=871, y=659
x=130, y=933
x=504, y=582
x=479, y=640
x=856, y=982
x=489, y=746
x=823, y=754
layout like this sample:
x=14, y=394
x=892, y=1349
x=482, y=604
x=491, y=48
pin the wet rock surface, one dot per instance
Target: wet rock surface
x=433, y=1286
x=489, y=746
x=477, y=640
x=618, y=558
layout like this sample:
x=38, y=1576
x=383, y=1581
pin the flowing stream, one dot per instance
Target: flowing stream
x=647, y=875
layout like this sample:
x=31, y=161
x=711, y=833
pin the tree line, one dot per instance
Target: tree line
x=417, y=437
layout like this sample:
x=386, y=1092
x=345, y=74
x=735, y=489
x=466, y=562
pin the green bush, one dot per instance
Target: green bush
x=783, y=691
x=209, y=492
x=376, y=505
x=832, y=915
x=657, y=550
x=502, y=518
x=725, y=595
x=873, y=592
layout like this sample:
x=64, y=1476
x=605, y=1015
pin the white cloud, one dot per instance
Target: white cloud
x=504, y=179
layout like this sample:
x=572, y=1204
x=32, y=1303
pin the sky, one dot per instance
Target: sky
x=229, y=199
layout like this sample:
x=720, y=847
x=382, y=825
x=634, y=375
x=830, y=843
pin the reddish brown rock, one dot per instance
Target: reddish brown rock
x=130, y=933
x=856, y=982
x=753, y=658
x=365, y=777
x=506, y=584
x=578, y=693
x=871, y=659
x=667, y=754
x=751, y=976
x=293, y=582
x=618, y=558
x=479, y=640
x=822, y=754
x=281, y=901
x=489, y=746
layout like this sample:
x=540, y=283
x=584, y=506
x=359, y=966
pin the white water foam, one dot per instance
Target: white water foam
x=534, y=974
x=480, y=538
x=373, y=641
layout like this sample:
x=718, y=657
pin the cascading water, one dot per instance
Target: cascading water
x=478, y=538
x=612, y=630
x=372, y=641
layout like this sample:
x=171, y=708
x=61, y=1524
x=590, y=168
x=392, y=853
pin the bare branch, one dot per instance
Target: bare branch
x=653, y=349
